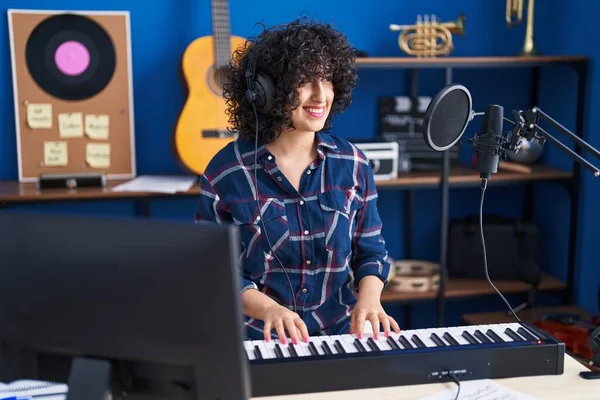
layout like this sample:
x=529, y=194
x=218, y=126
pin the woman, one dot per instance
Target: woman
x=313, y=259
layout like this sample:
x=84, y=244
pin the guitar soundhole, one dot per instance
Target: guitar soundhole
x=219, y=76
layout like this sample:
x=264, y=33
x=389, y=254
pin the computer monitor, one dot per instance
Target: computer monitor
x=158, y=300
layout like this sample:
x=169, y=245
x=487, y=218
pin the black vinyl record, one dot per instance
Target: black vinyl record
x=70, y=57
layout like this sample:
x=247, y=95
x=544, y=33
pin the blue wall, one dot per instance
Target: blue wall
x=161, y=32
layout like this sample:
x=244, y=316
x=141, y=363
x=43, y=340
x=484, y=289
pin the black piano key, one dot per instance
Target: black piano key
x=392, y=343
x=525, y=333
x=326, y=348
x=359, y=346
x=257, y=353
x=339, y=347
x=539, y=333
x=372, y=344
x=417, y=340
x=313, y=349
x=467, y=335
x=482, y=337
x=513, y=335
x=404, y=341
x=292, y=350
x=436, y=339
x=450, y=339
x=278, y=351
x=495, y=337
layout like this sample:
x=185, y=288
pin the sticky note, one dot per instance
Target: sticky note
x=97, y=155
x=55, y=154
x=96, y=126
x=70, y=125
x=39, y=116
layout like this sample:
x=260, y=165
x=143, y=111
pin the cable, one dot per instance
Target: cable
x=455, y=380
x=260, y=212
x=484, y=182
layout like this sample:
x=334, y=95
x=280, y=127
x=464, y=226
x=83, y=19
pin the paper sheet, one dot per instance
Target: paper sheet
x=31, y=388
x=56, y=154
x=39, y=116
x=160, y=184
x=96, y=126
x=70, y=125
x=484, y=389
x=97, y=155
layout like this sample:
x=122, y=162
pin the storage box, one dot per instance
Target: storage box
x=383, y=157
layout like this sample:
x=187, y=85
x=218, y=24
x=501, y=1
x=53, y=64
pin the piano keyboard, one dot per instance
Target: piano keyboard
x=339, y=362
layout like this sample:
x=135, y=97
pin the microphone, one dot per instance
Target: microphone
x=451, y=110
x=490, y=144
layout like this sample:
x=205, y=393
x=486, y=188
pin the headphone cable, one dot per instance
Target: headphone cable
x=260, y=212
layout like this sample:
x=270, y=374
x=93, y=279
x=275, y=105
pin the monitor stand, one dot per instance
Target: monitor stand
x=89, y=379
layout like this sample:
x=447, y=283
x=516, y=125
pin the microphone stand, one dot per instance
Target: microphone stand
x=526, y=126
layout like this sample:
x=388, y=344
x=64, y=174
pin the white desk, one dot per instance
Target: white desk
x=567, y=386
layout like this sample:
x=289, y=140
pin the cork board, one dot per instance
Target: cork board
x=73, y=96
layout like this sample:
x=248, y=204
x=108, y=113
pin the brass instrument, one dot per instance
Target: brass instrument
x=428, y=37
x=514, y=8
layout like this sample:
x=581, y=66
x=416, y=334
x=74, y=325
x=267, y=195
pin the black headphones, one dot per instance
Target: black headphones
x=260, y=88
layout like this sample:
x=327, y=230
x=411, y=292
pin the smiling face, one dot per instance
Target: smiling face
x=315, y=98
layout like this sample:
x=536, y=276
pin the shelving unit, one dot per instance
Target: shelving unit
x=13, y=193
x=463, y=177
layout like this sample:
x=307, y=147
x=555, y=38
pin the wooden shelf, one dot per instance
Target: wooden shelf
x=15, y=192
x=458, y=288
x=462, y=176
x=467, y=62
x=526, y=315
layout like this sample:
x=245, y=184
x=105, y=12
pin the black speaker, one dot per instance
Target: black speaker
x=71, y=181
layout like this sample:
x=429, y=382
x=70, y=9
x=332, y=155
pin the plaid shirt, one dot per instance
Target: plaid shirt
x=327, y=235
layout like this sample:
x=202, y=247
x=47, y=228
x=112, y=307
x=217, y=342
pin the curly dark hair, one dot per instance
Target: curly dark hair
x=291, y=55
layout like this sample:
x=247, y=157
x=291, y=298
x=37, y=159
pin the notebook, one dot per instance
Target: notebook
x=41, y=390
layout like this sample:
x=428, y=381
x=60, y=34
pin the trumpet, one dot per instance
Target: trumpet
x=514, y=9
x=428, y=37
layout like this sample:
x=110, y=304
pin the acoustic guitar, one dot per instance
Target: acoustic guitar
x=201, y=129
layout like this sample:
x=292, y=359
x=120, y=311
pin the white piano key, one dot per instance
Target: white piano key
x=249, y=349
x=264, y=350
x=285, y=348
x=345, y=345
x=471, y=329
x=440, y=332
x=364, y=341
x=500, y=332
x=270, y=345
x=330, y=343
x=511, y=326
x=316, y=340
x=349, y=339
x=382, y=342
x=423, y=334
x=303, y=346
x=516, y=326
x=457, y=334
x=406, y=335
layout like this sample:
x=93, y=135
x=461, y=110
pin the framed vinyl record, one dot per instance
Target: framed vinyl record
x=73, y=92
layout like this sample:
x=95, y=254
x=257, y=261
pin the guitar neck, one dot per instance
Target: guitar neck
x=221, y=31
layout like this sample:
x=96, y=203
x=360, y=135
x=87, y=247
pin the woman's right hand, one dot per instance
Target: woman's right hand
x=284, y=320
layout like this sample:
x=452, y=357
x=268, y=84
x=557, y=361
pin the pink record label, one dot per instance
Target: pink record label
x=72, y=58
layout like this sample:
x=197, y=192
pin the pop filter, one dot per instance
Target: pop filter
x=447, y=117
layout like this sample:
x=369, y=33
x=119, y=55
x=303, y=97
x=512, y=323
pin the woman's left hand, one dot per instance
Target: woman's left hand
x=371, y=309
x=368, y=307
